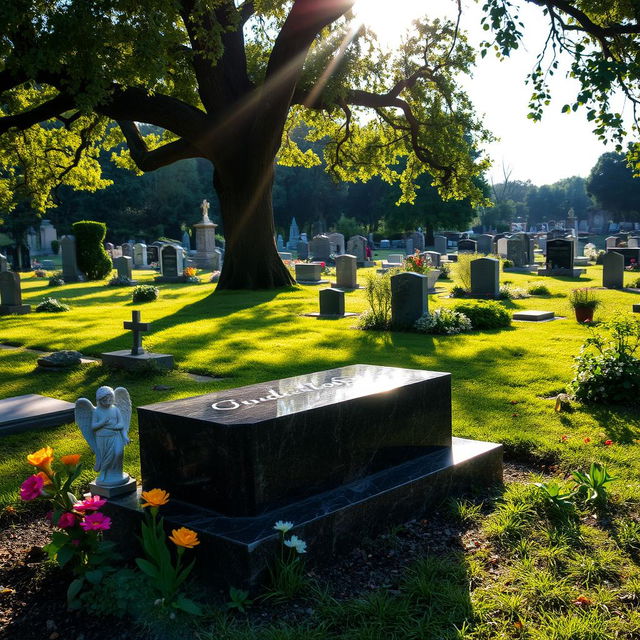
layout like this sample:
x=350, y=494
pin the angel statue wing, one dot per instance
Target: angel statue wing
x=84, y=416
x=122, y=400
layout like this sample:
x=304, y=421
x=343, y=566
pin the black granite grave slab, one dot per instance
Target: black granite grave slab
x=32, y=411
x=237, y=551
x=246, y=451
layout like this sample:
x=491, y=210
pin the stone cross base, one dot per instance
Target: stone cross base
x=125, y=360
x=14, y=309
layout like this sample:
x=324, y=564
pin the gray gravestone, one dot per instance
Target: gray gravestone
x=11, y=294
x=127, y=250
x=70, y=270
x=302, y=249
x=124, y=267
x=611, y=242
x=285, y=255
x=485, y=277
x=467, y=246
x=485, y=243
x=501, y=247
x=280, y=242
x=433, y=257
x=409, y=300
x=140, y=255
x=630, y=255
x=336, y=242
x=31, y=412
x=346, y=270
x=395, y=258
x=516, y=252
x=634, y=242
x=408, y=246
x=418, y=241
x=331, y=302
x=357, y=246
x=613, y=270
x=309, y=273
x=320, y=248
x=440, y=244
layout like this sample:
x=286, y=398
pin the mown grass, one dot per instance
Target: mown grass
x=502, y=383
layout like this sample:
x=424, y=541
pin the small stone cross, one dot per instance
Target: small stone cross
x=137, y=327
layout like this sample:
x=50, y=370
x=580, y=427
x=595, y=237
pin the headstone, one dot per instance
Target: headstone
x=395, y=258
x=501, y=247
x=440, y=244
x=109, y=247
x=280, y=243
x=127, y=250
x=206, y=256
x=331, y=303
x=611, y=242
x=357, y=246
x=309, y=273
x=467, y=246
x=409, y=299
x=302, y=249
x=11, y=294
x=32, y=412
x=385, y=244
x=70, y=270
x=516, y=251
x=294, y=235
x=171, y=263
x=409, y=246
x=485, y=277
x=485, y=244
x=320, y=249
x=186, y=241
x=418, y=241
x=346, y=272
x=48, y=234
x=124, y=267
x=336, y=242
x=634, y=242
x=153, y=256
x=285, y=255
x=631, y=256
x=531, y=315
x=559, y=254
x=140, y=255
x=613, y=270
x=433, y=257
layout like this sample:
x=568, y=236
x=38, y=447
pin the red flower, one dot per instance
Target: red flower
x=608, y=443
x=66, y=520
x=587, y=440
x=564, y=438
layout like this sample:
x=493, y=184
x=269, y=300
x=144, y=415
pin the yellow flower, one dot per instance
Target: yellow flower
x=184, y=538
x=42, y=459
x=155, y=498
x=46, y=479
x=70, y=460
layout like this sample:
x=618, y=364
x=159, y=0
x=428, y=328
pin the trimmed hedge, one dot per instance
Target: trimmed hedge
x=485, y=314
x=92, y=258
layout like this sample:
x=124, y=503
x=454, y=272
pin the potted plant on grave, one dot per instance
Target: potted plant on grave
x=422, y=265
x=584, y=302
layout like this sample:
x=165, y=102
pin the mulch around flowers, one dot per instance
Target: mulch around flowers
x=33, y=591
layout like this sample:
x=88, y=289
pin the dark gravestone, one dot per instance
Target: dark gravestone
x=631, y=256
x=152, y=254
x=11, y=295
x=26, y=413
x=485, y=277
x=559, y=254
x=409, y=299
x=70, y=270
x=467, y=246
x=124, y=267
x=343, y=454
x=302, y=249
x=612, y=270
x=485, y=243
x=331, y=302
x=169, y=257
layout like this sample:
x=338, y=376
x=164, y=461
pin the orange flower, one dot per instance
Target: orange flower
x=45, y=478
x=184, y=538
x=70, y=460
x=42, y=459
x=155, y=498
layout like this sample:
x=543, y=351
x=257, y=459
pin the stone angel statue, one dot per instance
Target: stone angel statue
x=105, y=427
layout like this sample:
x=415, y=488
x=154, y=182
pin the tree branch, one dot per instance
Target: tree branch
x=150, y=160
x=45, y=111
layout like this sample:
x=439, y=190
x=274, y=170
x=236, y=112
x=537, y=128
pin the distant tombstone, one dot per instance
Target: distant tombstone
x=152, y=254
x=501, y=247
x=418, y=241
x=559, y=254
x=139, y=255
x=516, y=252
x=4, y=264
x=70, y=270
x=357, y=246
x=409, y=246
x=331, y=302
x=294, y=235
x=440, y=244
x=409, y=299
x=433, y=257
x=280, y=242
x=336, y=241
x=309, y=273
x=303, y=237
x=611, y=242
x=485, y=243
x=302, y=249
x=385, y=244
x=171, y=261
x=395, y=258
x=127, y=250
x=613, y=270
x=346, y=270
x=48, y=234
x=467, y=246
x=485, y=277
x=320, y=248
x=109, y=247
x=634, y=242
x=285, y=255
x=11, y=294
x=186, y=241
x=124, y=267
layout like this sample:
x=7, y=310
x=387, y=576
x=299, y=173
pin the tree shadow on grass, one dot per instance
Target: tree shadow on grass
x=621, y=423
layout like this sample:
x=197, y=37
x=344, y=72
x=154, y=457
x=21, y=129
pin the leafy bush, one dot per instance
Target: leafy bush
x=145, y=293
x=462, y=269
x=509, y=292
x=56, y=279
x=507, y=264
x=607, y=369
x=584, y=298
x=457, y=292
x=377, y=288
x=485, y=314
x=445, y=271
x=635, y=284
x=93, y=260
x=443, y=321
x=119, y=281
x=538, y=289
x=51, y=305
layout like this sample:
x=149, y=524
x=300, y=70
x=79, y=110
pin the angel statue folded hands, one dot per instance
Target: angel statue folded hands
x=105, y=427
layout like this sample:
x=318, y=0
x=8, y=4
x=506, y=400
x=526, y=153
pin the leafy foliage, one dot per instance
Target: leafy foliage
x=443, y=321
x=593, y=484
x=145, y=293
x=93, y=260
x=377, y=289
x=51, y=305
x=485, y=314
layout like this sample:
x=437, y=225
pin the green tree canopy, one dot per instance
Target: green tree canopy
x=612, y=184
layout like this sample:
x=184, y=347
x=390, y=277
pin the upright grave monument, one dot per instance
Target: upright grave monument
x=206, y=255
x=171, y=264
x=124, y=268
x=409, y=299
x=70, y=270
x=612, y=270
x=485, y=277
x=11, y=295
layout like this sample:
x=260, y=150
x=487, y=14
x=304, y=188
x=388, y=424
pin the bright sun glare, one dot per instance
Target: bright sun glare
x=389, y=18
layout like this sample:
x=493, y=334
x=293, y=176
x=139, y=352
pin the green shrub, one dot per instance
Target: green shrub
x=584, y=298
x=145, y=293
x=56, y=279
x=485, y=314
x=443, y=321
x=377, y=288
x=509, y=292
x=607, y=369
x=51, y=305
x=119, y=281
x=507, y=264
x=445, y=271
x=93, y=260
x=462, y=269
x=457, y=292
x=55, y=246
x=635, y=284
x=538, y=289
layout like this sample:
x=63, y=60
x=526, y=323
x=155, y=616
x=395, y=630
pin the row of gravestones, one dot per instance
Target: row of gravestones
x=323, y=247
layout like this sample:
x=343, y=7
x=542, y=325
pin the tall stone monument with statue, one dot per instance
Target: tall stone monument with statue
x=206, y=255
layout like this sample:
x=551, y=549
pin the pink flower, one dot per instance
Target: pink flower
x=96, y=522
x=66, y=520
x=90, y=504
x=31, y=488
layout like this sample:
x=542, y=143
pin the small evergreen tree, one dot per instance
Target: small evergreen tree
x=93, y=260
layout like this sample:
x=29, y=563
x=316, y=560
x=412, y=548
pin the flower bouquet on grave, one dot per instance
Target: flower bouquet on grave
x=77, y=539
x=417, y=263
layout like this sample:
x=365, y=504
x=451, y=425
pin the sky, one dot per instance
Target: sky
x=560, y=146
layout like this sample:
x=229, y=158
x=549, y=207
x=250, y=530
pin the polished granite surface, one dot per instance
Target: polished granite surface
x=250, y=450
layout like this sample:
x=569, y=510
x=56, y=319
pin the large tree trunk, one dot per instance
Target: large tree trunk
x=251, y=258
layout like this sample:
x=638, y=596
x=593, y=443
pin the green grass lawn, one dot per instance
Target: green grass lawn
x=503, y=380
